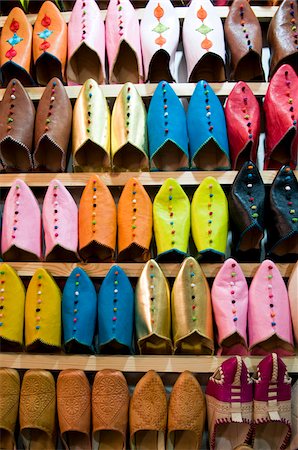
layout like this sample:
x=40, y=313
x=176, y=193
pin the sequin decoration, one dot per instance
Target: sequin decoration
x=246, y=115
x=244, y=29
x=160, y=27
x=52, y=100
x=171, y=214
x=10, y=118
x=120, y=21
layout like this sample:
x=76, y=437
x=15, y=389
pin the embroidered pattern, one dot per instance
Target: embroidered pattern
x=14, y=40
x=204, y=29
x=160, y=27
x=45, y=34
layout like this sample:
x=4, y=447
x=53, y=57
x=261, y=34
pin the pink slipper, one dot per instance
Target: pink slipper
x=21, y=225
x=229, y=396
x=203, y=42
x=123, y=43
x=272, y=404
x=86, y=44
x=159, y=37
x=60, y=222
x=230, y=303
x=269, y=317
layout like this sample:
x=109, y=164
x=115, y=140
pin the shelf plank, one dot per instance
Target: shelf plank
x=197, y=364
x=99, y=270
x=147, y=90
x=264, y=13
x=187, y=178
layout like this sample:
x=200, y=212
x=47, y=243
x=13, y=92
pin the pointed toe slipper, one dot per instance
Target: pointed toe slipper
x=12, y=309
x=110, y=401
x=97, y=222
x=160, y=31
x=244, y=38
x=134, y=223
x=129, y=143
x=10, y=396
x=16, y=128
x=209, y=149
x=123, y=43
x=167, y=130
x=209, y=219
x=38, y=410
x=192, y=325
x=282, y=37
x=243, y=119
x=60, y=222
x=86, y=44
x=145, y=429
x=43, y=313
x=74, y=409
x=230, y=304
x=280, y=106
x=229, y=396
x=49, y=44
x=152, y=311
x=115, y=313
x=247, y=212
x=79, y=308
x=91, y=130
x=52, y=128
x=21, y=225
x=16, y=44
x=269, y=320
x=203, y=42
x=272, y=404
x=282, y=227
x=186, y=414
x=171, y=222
x=293, y=298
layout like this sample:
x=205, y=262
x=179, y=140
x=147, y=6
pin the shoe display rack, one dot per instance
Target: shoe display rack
x=76, y=181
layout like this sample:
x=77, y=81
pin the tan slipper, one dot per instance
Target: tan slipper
x=9, y=404
x=37, y=410
x=186, y=415
x=110, y=399
x=74, y=409
x=148, y=414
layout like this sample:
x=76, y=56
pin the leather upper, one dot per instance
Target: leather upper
x=79, y=311
x=282, y=37
x=244, y=38
x=166, y=122
x=86, y=42
x=60, y=222
x=115, y=312
x=52, y=128
x=203, y=42
x=205, y=113
x=16, y=128
x=134, y=217
x=171, y=221
x=21, y=224
x=91, y=130
x=243, y=119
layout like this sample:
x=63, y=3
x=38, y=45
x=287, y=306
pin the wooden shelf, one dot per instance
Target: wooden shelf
x=197, y=364
x=99, y=270
x=147, y=90
x=187, y=178
x=264, y=13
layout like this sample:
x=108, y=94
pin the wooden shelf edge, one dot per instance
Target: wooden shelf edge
x=197, y=364
x=263, y=13
x=147, y=90
x=99, y=270
x=187, y=178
